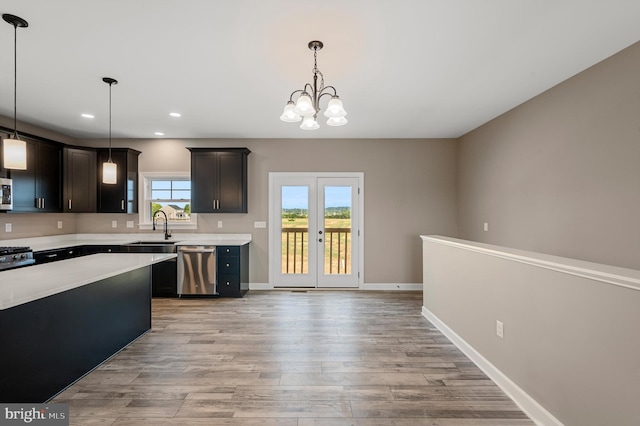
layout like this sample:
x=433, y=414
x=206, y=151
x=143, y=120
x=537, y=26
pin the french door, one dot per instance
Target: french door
x=315, y=229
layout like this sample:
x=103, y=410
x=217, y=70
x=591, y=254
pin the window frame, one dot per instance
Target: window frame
x=144, y=206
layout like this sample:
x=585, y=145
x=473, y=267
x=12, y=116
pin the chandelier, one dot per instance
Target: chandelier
x=307, y=106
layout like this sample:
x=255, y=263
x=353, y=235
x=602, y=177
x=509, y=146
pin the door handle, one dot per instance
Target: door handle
x=320, y=240
x=69, y=203
x=122, y=205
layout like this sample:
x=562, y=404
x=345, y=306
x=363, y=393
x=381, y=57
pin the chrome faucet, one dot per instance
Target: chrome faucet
x=167, y=234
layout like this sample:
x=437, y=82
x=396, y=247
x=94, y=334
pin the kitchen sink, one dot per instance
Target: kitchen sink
x=154, y=243
x=151, y=247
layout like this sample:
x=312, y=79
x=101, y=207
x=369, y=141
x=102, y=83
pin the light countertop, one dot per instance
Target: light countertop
x=71, y=240
x=23, y=285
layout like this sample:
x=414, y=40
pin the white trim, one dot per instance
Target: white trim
x=274, y=216
x=530, y=406
x=392, y=286
x=622, y=277
x=363, y=287
x=143, y=211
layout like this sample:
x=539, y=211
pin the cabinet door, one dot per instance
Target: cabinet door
x=49, y=177
x=39, y=188
x=131, y=187
x=204, y=170
x=111, y=197
x=231, y=183
x=122, y=196
x=24, y=183
x=79, y=180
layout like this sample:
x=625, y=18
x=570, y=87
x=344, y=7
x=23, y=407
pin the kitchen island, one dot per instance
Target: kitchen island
x=60, y=320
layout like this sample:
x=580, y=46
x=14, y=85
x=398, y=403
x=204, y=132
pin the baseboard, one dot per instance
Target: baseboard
x=530, y=406
x=366, y=287
x=392, y=286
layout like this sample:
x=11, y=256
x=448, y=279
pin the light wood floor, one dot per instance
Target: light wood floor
x=317, y=358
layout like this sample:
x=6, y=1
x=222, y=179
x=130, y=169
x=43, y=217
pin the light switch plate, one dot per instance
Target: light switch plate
x=129, y=224
x=114, y=223
x=259, y=224
x=59, y=224
x=7, y=227
x=219, y=224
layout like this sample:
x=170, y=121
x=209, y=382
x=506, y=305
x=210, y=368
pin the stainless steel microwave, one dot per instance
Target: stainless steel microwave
x=6, y=197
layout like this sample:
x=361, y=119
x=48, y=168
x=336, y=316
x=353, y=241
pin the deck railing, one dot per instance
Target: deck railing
x=295, y=250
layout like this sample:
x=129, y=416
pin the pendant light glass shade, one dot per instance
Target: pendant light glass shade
x=304, y=106
x=109, y=173
x=309, y=123
x=335, y=108
x=337, y=121
x=14, y=154
x=289, y=114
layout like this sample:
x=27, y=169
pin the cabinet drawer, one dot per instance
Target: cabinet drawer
x=228, y=250
x=228, y=285
x=229, y=265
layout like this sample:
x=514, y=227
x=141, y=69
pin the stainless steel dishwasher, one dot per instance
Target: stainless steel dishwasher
x=197, y=270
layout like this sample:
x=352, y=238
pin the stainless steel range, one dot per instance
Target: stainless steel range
x=15, y=257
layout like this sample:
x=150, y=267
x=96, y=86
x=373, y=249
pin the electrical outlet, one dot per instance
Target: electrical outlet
x=499, y=329
x=129, y=224
x=7, y=227
x=219, y=224
x=59, y=224
x=114, y=223
x=486, y=226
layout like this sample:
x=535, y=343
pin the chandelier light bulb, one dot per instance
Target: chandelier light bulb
x=309, y=123
x=289, y=114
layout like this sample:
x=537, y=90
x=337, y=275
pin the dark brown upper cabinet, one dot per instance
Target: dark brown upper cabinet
x=121, y=197
x=39, y=188
x=219, y=180
x=80, y=180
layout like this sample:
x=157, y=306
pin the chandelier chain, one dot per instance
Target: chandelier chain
x=316, y=70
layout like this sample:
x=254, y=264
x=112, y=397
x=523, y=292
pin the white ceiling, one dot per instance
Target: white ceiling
x=403, y=68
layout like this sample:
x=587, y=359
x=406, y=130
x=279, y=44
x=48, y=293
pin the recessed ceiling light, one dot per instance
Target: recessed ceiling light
x=85, y=115
x=159, y=134
x=175, y=114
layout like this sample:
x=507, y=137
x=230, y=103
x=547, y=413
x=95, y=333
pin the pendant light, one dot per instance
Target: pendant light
x=109, y=169
x=14, y=150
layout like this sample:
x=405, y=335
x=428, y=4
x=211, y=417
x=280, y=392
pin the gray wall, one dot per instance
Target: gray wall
x=410, y=188
x=560, y=174
x=571, y=340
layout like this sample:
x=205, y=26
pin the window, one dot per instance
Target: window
x=169, y=192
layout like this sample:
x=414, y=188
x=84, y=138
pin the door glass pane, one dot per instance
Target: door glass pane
x=337, y=229
x=295, y=229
